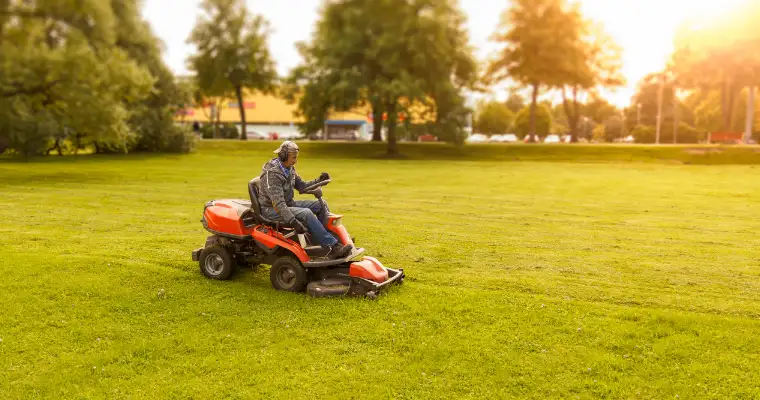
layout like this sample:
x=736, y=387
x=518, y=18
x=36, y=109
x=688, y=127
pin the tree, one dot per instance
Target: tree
x=644, y=107
x=389, y=54
x=720, y=56
x=614, y=128
x=560, y=124
x=233, y=53
x=494, y=117
x=538, y=38
x=515, y=102
x=541, y=123
x=594, y=63
x=598, y=109
x=151, y=118
x=65, y=73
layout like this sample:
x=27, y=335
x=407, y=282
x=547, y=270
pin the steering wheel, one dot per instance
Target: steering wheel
x=315, y=186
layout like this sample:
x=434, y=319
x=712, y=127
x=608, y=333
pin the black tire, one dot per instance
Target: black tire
x=287, y=274
x=216, y=263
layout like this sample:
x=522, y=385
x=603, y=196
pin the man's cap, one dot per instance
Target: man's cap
x=290, y=147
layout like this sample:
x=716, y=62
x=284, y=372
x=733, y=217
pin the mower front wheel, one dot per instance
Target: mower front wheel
x=288, y=274
x=216, y=263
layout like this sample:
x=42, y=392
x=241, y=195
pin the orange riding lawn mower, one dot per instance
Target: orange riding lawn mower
x=242, y=236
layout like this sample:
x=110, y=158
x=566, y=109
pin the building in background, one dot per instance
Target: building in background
x=271, y=117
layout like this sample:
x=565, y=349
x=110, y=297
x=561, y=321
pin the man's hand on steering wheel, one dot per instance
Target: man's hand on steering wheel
x=311, y=189
x=325, y=176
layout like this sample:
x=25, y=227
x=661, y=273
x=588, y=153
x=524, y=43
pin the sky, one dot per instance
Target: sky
x=643, y=28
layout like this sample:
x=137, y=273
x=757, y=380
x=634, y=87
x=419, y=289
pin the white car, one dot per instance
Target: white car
x=477, y=138
x=510, y=138
x=552, y=139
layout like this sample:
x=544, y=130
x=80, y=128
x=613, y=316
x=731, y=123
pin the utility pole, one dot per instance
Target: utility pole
x=750, y=115
x=659, y=106
x=675, y=115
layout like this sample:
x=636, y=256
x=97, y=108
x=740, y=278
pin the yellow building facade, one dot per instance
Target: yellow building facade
x=268, y=115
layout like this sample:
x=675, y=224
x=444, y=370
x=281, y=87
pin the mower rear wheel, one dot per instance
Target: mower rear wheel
x=216, y=263
x=288, y=274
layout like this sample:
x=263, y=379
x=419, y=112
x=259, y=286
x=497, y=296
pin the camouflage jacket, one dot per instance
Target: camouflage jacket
x=277, y=184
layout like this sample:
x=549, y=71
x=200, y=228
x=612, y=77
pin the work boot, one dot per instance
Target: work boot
x=339, y=250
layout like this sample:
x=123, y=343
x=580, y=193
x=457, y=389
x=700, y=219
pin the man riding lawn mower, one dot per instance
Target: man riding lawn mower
x=306, y=245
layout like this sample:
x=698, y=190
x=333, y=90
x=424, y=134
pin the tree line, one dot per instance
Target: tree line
x=707, y=86
x=77, y=74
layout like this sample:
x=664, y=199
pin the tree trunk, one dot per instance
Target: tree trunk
x=241, y=107
x=660, y=95
x=533, y=102
x=675, y=117
x=391, y=107
x=573, y=114
x=377, y=121
x=750, y=122
x=728, y=100
x=218, y=118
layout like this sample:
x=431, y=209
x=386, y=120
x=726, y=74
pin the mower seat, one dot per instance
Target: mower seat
x=254, y=188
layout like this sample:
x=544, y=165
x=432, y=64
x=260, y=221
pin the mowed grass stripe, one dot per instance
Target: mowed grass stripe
x=526, y=279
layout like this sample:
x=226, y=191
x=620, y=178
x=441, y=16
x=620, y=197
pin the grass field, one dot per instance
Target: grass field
x=526, y=279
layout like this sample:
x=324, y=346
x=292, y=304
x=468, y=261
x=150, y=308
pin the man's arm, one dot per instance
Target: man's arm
x=274, y=186
x=300, y=184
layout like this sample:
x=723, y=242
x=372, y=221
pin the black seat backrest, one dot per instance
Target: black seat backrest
x=253, y=190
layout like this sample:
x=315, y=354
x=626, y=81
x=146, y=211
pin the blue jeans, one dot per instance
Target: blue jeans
x=311, y=214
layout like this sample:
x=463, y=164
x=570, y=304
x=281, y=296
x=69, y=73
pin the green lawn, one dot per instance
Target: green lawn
x=525, y=279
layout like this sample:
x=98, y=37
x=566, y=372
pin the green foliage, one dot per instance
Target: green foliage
x=494, y=118
x=82, y=71
x=390, y=54
x=229, y=131
x=233, y=54
x=207, y=131
x=720, y=55
x=614, y=128
x=180, y=140
x=644, y=133
x=599, y=109
x=515, y=102
x=688, y=134
x=598, y=134
x=543, y=121
x=226, y=131
x=545, y=45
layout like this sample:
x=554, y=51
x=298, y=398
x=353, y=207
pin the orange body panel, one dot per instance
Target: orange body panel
x=334, y=225
x=224, y=217
x=369, y=268
x=271, y=238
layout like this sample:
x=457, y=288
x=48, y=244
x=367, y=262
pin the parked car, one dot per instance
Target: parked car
x=505, y=138
x=627, y=139
x=510, y=138
x=552, y=139
x=427, y=138
x=536, y=139
x=476, y=138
